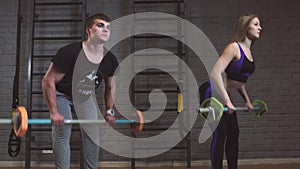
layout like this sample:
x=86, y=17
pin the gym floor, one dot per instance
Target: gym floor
x=267, y=166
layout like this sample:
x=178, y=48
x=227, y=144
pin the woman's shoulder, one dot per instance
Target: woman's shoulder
x=232, y=48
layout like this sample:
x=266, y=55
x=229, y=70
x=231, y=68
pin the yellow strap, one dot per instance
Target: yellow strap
x=180, y=103
x=14, y=112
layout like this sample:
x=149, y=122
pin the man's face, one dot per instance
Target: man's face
x=100, y=31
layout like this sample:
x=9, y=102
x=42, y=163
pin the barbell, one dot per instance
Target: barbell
x=212, y=109
x=21, y=121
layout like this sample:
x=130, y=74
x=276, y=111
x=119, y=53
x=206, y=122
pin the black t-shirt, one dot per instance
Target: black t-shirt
x=87, y=75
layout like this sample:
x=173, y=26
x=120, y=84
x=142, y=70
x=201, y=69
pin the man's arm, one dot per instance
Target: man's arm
x=109, y=95
x=110, y=92
x=51, y=77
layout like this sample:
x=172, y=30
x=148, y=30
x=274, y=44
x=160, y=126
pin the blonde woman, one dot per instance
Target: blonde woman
x=238, y=63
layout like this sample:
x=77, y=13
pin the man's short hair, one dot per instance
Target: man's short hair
x=90, y=20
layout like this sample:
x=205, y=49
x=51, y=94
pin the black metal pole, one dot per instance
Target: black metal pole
x=29, y=88
x=14, y=143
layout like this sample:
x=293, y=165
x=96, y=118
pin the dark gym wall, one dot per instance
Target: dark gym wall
x=275, y=81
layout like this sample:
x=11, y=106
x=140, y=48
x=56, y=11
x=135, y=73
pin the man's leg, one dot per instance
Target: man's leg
x=91, y=152
x=90, y=132
x=61, y=134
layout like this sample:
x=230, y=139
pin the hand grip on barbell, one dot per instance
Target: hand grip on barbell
x=205, y=110
x=215, y=109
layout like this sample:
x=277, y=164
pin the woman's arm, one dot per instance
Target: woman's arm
x=244, y=94
x=229, y=54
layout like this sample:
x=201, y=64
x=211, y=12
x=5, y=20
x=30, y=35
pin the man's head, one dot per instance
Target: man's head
x=98, y=27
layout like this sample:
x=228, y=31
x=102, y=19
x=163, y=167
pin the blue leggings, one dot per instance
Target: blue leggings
x=227, y=133
x=61, y=139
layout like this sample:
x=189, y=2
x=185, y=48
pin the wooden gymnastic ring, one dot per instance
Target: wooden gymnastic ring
x=21, y=127
x=138, y=126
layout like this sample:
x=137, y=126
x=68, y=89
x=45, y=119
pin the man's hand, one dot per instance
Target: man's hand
x=57, y=119
x=110, y=119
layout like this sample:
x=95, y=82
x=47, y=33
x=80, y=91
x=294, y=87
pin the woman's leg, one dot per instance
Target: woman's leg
x=217, y=144
x=232, y=144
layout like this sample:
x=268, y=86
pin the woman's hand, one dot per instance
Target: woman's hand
x=229, y=105
x=249, y=105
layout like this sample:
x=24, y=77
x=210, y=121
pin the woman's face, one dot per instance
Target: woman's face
x=254, y=29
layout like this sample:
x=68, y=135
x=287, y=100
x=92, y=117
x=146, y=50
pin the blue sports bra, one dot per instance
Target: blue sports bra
x=241, y=69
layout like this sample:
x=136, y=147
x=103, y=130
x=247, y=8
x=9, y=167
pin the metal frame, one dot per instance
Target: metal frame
x=31, y=74
x=180, y=53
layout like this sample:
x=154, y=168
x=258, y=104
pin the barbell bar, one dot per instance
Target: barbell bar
x=20, y=122
x=67, y=121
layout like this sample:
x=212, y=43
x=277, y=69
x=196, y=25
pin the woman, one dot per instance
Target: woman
x=238, y=63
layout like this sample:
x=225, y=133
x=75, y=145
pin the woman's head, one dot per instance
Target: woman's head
x=248, y=26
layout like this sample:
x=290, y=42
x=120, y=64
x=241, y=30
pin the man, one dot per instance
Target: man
x=71, y=79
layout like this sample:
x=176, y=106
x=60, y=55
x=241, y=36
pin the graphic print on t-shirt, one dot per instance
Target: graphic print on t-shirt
x=86, y=85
